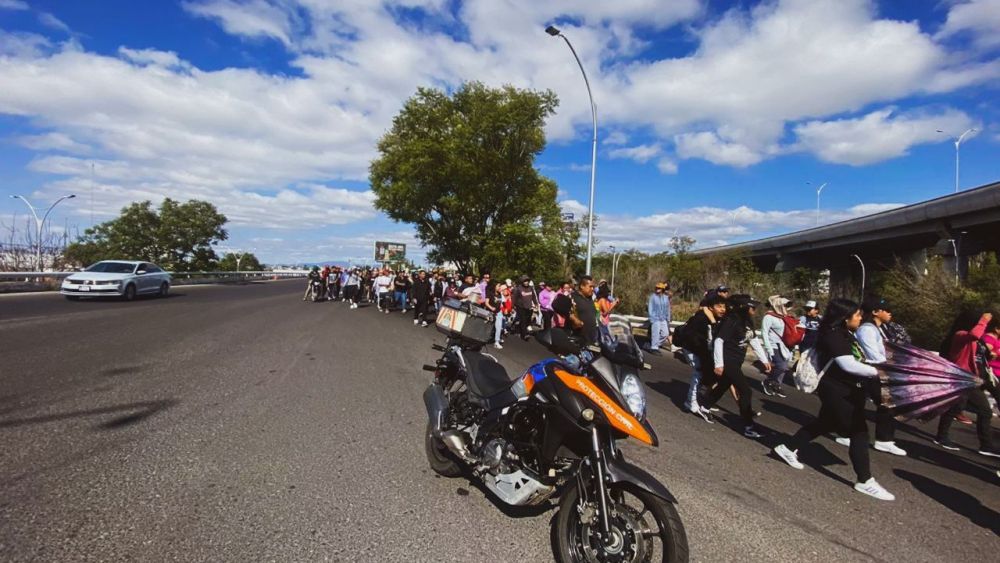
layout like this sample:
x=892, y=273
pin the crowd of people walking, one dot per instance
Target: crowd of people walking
x=845, y=345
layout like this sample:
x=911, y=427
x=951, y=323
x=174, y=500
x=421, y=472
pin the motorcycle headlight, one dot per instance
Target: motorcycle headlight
x=635, y=395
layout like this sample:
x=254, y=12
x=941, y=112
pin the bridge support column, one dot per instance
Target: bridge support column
x=845, y=281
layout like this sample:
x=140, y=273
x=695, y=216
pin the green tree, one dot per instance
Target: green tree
x=248, y=262
x=177, y=236
x=460, y=168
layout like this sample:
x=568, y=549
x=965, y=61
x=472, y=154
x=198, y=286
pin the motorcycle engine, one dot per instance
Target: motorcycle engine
x=492, y=455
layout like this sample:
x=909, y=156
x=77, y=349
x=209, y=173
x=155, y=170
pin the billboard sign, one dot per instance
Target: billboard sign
x=389, y=251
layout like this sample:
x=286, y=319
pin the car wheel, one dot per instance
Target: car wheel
x=129, y=294
x=72, y=297
x=164, y=289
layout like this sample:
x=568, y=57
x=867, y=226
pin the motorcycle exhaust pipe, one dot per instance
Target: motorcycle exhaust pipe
x=437, y=407
x=456, y=444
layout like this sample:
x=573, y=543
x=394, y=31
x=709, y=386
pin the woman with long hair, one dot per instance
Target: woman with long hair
x=729, y=350
x=842, y=392
x=962, y=346
x=605, y=304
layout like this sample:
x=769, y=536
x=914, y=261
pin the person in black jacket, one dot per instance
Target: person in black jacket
x=525, y=303
x=698, y=334
x=420, y=293
x=843, y=392
x=729, y=350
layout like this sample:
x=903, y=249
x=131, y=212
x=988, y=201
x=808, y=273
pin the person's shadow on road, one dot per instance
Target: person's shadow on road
x=958, y=501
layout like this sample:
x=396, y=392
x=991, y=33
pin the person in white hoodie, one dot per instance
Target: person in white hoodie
x=779, y=356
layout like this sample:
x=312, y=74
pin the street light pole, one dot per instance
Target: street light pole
x=40, y=224
x=554, y=32
x=954, y=248
x=958, y=144
x=858, y=258
x=819, y=190
x=615, y=256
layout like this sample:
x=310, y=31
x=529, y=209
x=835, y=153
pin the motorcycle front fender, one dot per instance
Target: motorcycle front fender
x=621, y=471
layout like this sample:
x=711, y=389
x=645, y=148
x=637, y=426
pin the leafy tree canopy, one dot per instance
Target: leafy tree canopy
x=177, y=236
x=461, y=169
x=247, y=263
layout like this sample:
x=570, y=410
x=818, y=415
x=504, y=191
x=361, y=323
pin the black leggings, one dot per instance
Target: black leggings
x=842, y=411
x=885, y=424
x=732, y=376
x=976, y=401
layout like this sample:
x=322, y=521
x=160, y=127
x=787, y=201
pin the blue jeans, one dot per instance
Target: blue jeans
x=498, y=328
x=401, y=299
x=658, y=333
x=779, y=367
x=692, y=396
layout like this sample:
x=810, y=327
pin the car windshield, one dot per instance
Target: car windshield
x=112, y=268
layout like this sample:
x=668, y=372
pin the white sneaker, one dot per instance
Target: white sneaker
x=788, y=456
x=889, y=448
x=846, y=442
x=873, y=489
x=692, y=407
x=423, y=324
x=416, y=322
x=498, y=346
x=705, y=415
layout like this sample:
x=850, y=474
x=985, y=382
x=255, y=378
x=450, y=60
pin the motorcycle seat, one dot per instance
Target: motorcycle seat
x=486, y=376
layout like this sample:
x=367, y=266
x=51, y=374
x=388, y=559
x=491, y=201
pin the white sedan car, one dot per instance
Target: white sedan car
x=119, y=278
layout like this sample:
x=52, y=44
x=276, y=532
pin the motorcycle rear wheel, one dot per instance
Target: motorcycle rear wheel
x=438, y=455
x=637, y=511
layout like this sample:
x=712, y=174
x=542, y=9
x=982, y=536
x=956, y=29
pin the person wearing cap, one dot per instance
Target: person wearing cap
x=729, y=350
x=810, y=319
x=778, y=354
x=658, y=308
x=420, y=293
x=525, y=302
x=876, y=312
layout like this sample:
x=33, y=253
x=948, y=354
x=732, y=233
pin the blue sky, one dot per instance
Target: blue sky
x=718, y=120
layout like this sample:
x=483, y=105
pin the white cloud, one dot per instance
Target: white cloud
x=978, y=18
x=666, y=166
x=707, y=145
x=878, y=136
x=59, y=142
x=713, y=226
x=641, y=153
x=157, y=125
x=22, y=45
x=573, y=206
x=615, y=138
x=13, y=5
x=52, y=22
x=255, y=18
x=166, y=59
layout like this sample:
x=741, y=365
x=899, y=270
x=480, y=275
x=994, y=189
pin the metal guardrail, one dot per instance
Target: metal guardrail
x=175, y=275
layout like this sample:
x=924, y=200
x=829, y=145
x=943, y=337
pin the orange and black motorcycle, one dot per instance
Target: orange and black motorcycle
x=552, y=433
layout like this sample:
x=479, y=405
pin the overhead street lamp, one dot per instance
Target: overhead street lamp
x=958, y=145
x=554, y=32
x=819, y=190
x=858, y=258
x=40, y=224
x=615, y=257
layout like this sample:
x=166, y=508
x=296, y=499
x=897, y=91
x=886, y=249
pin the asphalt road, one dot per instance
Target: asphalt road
x=240, y=424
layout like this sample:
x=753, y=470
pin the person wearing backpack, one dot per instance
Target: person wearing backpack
x=781, y=333
x=877, y=313
x=729, y=350
x=695, y=339
x=843, y=393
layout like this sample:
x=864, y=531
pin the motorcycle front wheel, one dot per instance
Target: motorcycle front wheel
x=644, y=528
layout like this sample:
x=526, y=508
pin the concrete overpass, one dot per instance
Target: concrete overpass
x=954, y=226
